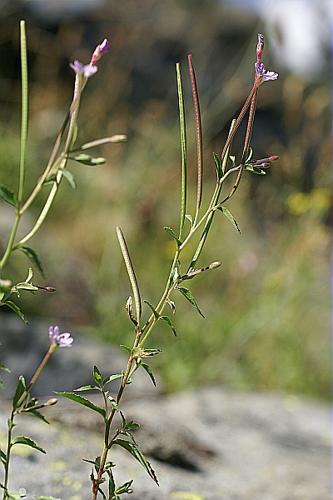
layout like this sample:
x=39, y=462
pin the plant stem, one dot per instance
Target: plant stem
x=8, y=450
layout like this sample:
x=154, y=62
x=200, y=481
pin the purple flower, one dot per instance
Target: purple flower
x=61, y=339
x=263, y=74
x=83, y=69
x=99, y=51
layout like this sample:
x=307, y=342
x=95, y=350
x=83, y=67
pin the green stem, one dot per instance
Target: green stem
x=8, y=450
x=63, y=161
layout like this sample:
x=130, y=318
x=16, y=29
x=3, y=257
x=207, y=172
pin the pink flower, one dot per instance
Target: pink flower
x=90, y=69
x=263, y=74
x=83, y=69
x=61, y=339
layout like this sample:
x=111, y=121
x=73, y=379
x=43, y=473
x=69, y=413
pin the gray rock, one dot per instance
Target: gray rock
x=208, y=444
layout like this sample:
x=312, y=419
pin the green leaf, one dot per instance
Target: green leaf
x=69, y=177
x=88, y=160
x=151, y=352
x=3, y=457
x=173, y=235
x=230, y=217
x=131, y=426
x=27, y=442
x=149, y=371
x=189, y=296
x=116, y=376
x=112, y=484
x=20, y=389
x=39, y=415
x=218, y=166
x=172, y=305
x=183, y=149
x=169, y=322
x=32, y=255
x=254, y=170
x=14, y=307
x=82, y=401
x=155, y=313
x=138, y=455
x=189, y=218
x=125, y=488
x=87, y=388
x=51, y=179
x=97, y=375
x=126, y=348
x=8, y=195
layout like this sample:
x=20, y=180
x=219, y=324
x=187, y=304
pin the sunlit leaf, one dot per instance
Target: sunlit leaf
x=189, y=296
x=138, y=455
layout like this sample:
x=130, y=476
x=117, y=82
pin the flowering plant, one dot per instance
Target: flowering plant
x=142, y=314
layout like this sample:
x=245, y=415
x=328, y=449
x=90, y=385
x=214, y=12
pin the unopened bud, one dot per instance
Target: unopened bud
x=215, y=264
x=51, y=402
x=49, y=289
x=260, y=47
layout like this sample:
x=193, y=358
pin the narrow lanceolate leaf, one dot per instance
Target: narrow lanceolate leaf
x=189, y=296
x=7, y=195
x=155, y=313
x=69, y=177
x=183, y=150
x=138, y=455
x=14, y=307
x=254, y=169
x=32, y=255
x=198, y=132
x=131, y=273
x=169, y=323
x=111, y=378
x=39, y=415
x=173, y=235
x=85, y=388
x=3, y=457
x=20, y=389
x=230, y=217
x=27, y=442
x=149, y=371
x=82, y=401
x=218, y=166
x=97, y=375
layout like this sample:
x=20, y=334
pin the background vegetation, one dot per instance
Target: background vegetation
x=267, y=308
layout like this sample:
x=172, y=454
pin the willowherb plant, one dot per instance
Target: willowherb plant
x=64, y=151
x=118, y=430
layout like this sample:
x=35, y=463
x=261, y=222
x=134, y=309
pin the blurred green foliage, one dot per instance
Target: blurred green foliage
x=267, y=307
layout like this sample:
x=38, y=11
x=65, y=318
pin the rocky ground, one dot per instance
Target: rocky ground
x=209, y=444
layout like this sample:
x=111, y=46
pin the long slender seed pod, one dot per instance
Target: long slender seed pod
x=183, y=149
x=198, y=133
x=24, y=111
x=131, y=273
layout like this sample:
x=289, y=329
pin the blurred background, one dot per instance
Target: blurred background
x=267, y=307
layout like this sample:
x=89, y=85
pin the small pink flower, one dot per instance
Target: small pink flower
x=263, y=74
x=86, y=70
x=61, y=339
